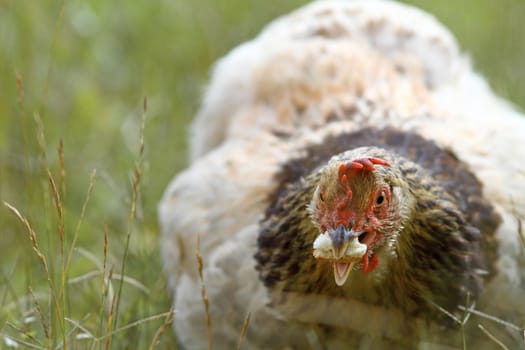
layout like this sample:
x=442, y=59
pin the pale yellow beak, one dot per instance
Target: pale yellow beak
x=342, y=248
x=341, y=271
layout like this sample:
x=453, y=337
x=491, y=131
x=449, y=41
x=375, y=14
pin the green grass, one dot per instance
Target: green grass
x=80, y=176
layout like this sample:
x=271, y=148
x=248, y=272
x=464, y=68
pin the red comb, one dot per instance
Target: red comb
x=360, y=163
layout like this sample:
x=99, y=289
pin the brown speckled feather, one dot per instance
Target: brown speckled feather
x=442, y=266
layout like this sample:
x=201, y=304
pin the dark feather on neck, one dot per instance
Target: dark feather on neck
x=440, y=254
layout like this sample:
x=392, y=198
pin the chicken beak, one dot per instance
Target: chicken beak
x=341, y=271
x=343, y=248
x=346, y=245
x=347, y=250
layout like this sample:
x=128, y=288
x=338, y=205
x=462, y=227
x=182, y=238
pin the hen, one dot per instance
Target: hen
x=353, y=184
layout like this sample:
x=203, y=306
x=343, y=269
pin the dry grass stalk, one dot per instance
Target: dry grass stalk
x=92, y=274
x=204, y=295
x=464, y=319
x=61, y=297
x=32, y=236
x=61, y=234
x=106, y=292
x=58, y=308
x=109, y=323
x=77, y=325
x=131, y=219
x=135, y=324
x=492, y=318
x=492, y=337
x=109, y=293
x=135, y=186
x=244, y=329
x=446, y=312
x=166, y=325
x=56, y=200
x=61, y=227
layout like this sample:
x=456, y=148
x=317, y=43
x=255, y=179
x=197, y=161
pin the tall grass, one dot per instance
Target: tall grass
x=50, y=321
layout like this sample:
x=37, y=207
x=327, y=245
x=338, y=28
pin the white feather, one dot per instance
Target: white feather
x=386, y=63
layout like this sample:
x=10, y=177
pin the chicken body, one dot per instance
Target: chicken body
x=334, y=83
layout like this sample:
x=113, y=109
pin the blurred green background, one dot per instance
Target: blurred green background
x=84, y=69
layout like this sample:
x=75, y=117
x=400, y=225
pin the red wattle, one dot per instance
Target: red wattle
x=369, y=266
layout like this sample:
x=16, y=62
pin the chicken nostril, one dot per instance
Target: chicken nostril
x=362, y=236
x=351, y=224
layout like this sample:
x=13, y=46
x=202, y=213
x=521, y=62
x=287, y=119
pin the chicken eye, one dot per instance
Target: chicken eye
x=380, y=200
